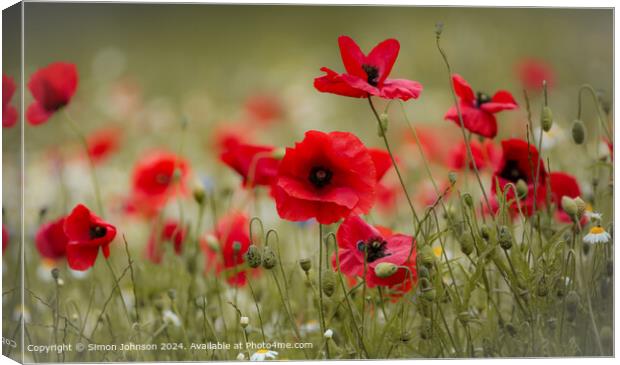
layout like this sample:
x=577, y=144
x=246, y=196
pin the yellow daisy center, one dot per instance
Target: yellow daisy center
x=597, y=230
x=262, y=351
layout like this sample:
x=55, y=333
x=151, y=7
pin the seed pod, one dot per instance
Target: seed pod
x=269, y=258
x=385, y=269
x=578, y=131
x=522, y=189
x=329, y=282
x=505, y=238
x=469, y=201
x=199, y=193
x=452, y=177
x=546, y=118
x=569, y=206
x=305, y=264
x=253, y=256
x=466, y=243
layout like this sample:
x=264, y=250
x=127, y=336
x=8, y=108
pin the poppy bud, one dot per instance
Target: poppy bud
x=522, y=189
x=385, y=269
x=55, y=273
x=269, y=258
x=578, y=131
x=452, y=177
x=505, y=238
x=466, y=243
x=423, y=272
x=306, y=264
x=569, y=206
x=328, y=282
x=426, y=255
x=383, y=124
x=212, y=242
x=199, y=193
x=278, y=153
x=468, y=199
x=485, y=232
x=581, y=206
x=546, y=119
x=253, y=256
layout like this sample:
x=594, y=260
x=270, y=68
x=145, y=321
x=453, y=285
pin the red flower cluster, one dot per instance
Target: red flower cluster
x=157, y=177
x=367, y=74
x=52, y=88
x=358, y=240
x=230, y=230
x=86, y=233
x=326, y=176
x=254, y=163
x=478, y=110
x=171, y=232
x=9, y=112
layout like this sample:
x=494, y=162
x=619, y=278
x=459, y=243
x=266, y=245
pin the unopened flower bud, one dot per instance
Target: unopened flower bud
x=468, y=199
x=199, y=193
x=212, y=242
x=505, y=237
x=581, y=206
x=253, y=256
x=467, y=243
x=569, y=206
x=546, y=119
x=278, y=153
x=452, y=177
x=424, y=272
x=269, y=258
x=578, y=131
x=385, y=269
x=522, y=189
x=305, y=264
x=426, y=255
x=329, y=282
x=485, y=232
x=244, y=321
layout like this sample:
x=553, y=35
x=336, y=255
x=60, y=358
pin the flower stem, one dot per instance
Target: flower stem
x=320, y=269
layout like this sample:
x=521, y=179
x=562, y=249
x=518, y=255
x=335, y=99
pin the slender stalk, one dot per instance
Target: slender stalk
x=321, y=308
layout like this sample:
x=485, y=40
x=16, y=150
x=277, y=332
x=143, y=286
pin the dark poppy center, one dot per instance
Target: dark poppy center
x=372, y=74
x=374, y=247
x=320, y=176
x=162, y=179
x=482, y=98
x=97, y=232
x=511, y=172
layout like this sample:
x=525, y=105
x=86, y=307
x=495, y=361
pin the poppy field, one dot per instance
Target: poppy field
x=208, y=183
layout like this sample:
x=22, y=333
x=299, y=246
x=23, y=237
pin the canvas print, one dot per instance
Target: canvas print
x=200, y=182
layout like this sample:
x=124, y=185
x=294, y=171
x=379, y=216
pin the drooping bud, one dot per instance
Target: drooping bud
x=269, y=258
x=253, y=256
x=469, y=201
x=329, y=282
x=467, y=243
x=485, y=232
x=385, y=269
x=570, y=207
x=505, y=237
x=305, y=264
x=546, y=118
x=522, y=189
x=578, y=131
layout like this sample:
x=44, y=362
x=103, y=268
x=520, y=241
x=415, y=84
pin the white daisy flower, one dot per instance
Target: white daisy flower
x=263, y=354
x=328, y=334
x=171, y=317
x=596, y=235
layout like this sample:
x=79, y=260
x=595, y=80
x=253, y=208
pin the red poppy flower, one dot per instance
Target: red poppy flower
x=254, y=163
x=103, y=143
x=51, y=239
x=367, y=74
x=170, y=232
x=9, y=112
x=563, y=184
x=478, y=110
x=263, y=108
x=358, y=239
x=458, y=156
x=519, y=162
x=52, y=88
x=327, y=177
x=86, y=233
x=533, y=72
x=231, y=229
x=157, y=177
x=5, y=238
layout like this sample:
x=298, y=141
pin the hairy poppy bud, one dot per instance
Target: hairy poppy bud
x=269, y=258
x=385, y=269
x=505, y=238
x=522, y=189
x=452, y=177
x=426, y=255
x=253, y=256
x=569, y=206
x=383, y=126
x=581, y=206
x=468, y=199
x=425, y=284
x=278, y=153
x=485, y=232
x=578, y=131
x=466, y=243
x=329, y=282
x=306, y=264
x=424, y=272
x=546, y=119
x=199, y=193
x=244, y=321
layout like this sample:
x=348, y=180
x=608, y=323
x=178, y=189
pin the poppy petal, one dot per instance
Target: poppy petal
x=462, y=88
x=475, y=120
x=333, y=83
x=502, y=100
x=36, y=114
x=81, y=257
x=352, y=56
x=9, y=116
x=401, y=89
x=383, y=57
